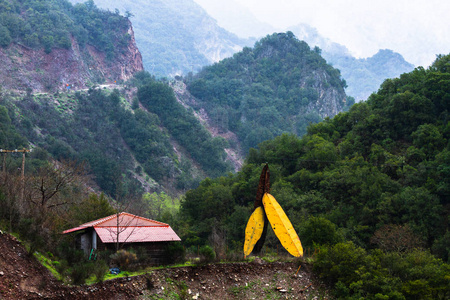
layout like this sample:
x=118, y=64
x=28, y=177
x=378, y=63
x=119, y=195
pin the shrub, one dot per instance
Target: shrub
x=357, y=274
x=80, y=272
x=176, y=253
x=207, y=254
x=143, y=258
x=69, y=253
x=61, y=267
x=319, y=231
x=100, y=269
x=124, y=259
x=340, y=263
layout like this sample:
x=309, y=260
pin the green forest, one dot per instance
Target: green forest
x=267, y=90
x=175, y=37
x=51, y=24
x=106, y=132
x=369, y=188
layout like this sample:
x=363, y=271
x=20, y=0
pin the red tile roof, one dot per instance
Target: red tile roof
x=132, y=229
x=137, y=234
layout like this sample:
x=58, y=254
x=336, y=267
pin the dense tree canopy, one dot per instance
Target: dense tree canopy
x=266, y=90
x=52, y=24
x=159, y=98
x=376, y=172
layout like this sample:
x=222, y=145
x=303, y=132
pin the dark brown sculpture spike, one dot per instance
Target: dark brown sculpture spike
x=263, y=187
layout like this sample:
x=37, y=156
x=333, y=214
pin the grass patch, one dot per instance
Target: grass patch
x=239, y=290
x=93, y=279
x=109, y=276
x=49, y=264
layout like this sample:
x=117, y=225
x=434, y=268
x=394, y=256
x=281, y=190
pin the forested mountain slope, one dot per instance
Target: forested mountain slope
x=363, y=75
x=128, y=148
x=279, y=85
x=55, y=52
x=142, y=138
x=370, y=187
x=52, y=45
x=176, y=37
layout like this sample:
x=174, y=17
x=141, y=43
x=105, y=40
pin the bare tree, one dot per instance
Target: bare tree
x=398, y=238
x=48, y=189
x=125, y=228
x=53, y=190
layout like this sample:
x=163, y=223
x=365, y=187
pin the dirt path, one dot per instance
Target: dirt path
x=22, y=277
x=256, y=280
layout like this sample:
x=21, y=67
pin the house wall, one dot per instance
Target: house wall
x=85, y=240
x=156, y=252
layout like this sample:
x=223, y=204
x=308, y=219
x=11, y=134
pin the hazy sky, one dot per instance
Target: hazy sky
x=417, y=29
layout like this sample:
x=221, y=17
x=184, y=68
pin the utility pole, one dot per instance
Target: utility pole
x=23, y=151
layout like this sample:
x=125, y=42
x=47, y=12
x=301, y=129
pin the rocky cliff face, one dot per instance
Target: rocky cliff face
x=176, y=36
x=330, y=101
x=78, y=67
x=216, y=43
x=330, y=95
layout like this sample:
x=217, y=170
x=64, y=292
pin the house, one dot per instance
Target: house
x=124, y=230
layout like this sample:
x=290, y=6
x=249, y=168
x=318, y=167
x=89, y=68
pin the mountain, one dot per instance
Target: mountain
x=236, y=18
x=54, y=45
x=176, y=36
x=369, y=188
x=364, y=75
x=279, y=85
x=155, y=135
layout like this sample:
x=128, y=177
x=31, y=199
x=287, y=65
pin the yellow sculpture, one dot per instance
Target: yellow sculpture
x=254, y=230
x=267, y=208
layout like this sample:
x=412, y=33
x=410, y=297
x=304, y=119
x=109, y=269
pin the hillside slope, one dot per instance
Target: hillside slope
x=370, y=187
x=56, y=46
x=279, y=85
x=363, y=75
x=22, y=277
x=148, y=138
x=176, y=36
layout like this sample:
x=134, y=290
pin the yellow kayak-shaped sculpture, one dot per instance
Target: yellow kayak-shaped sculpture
x=254, y=230
x=282, y=226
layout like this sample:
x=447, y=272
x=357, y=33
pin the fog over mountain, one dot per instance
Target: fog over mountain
x=417, y=29
x=363, y=75
x=236, y=18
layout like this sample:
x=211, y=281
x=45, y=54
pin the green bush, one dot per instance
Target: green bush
x=319, y=231
x=61, y=267
x=67, y=252
x=176, y=252
x=340, y=262
x=100, y=269
x=357, y=274
x=80, y=272
x=207, y=254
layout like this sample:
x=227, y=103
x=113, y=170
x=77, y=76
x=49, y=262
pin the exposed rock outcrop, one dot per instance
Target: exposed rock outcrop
x=78, y=66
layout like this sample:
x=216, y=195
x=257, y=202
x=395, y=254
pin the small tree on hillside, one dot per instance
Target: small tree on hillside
x=53, y=189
